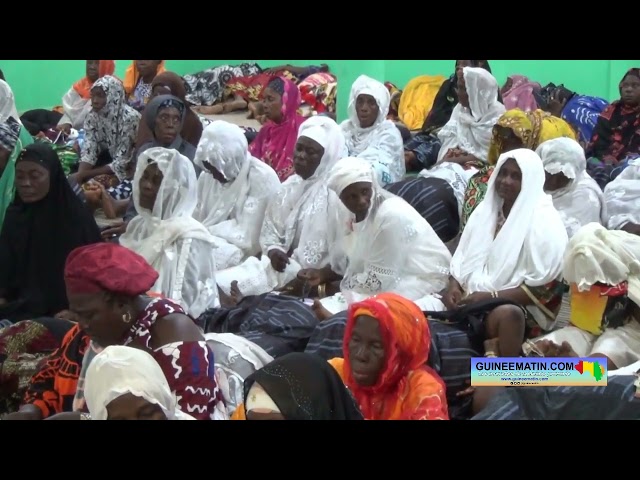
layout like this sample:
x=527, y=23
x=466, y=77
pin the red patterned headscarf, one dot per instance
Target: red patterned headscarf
x=108, y=267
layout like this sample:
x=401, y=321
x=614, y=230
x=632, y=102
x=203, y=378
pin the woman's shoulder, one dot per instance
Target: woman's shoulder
x=171, y=323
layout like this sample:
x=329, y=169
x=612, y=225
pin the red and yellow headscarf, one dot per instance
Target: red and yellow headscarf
x=407, y=389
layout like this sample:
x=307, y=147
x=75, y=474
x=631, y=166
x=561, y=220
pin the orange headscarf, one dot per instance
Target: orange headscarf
x=83, y=86
x=406, y=389
x=131, y=76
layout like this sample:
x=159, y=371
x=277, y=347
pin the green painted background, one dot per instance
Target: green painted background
x=41, y=83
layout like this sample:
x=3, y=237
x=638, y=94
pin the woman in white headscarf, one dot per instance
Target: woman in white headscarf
x=176, y=245
x=467, y=135
x=622, y=197
x=233, y=192
x=368, y=133
x=295, y=233
x=576, y=196
x=125, y=383
x=511, y=250
x=382, y=246
x=603, y=269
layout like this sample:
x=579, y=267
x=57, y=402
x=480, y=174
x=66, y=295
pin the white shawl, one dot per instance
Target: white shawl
x=581, y=201
x=622, y=197
x=531, y=244
x=394, y=249
x=471, y=129
x=179, y=247
x=381, y=144
x=234, y=211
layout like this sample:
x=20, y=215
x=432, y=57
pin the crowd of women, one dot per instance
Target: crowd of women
x=303, y=271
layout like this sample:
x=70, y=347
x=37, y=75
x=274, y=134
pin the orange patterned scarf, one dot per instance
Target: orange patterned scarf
x=406, y=389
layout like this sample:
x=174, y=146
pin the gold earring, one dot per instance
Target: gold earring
x=126, y=318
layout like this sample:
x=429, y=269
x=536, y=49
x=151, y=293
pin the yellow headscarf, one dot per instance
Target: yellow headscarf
x=533, y=128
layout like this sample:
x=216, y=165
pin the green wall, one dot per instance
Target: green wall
x=41, y=83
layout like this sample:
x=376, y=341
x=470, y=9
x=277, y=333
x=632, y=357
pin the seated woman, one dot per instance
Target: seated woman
x=386, y=347
x=421, y=151
x=297, y=386
x=233, y=193
x=77, y=101
x=275, y=142
x=107, y=284
x=514, y=129
x=466, y=137
x=45, y=222
x=137, y=81
x=622, y=198
x=579, y=111
x=111, y=130
x=170, y=83
x=295, y=233
x=370, y=253
x=177, y=246
x=605, y=300
x=616, y=134
x=125, y=383
x=519, y=92
x=576, y=196
x=369, y=135
x=511, y=250
x=11, y=146
x=165, y=116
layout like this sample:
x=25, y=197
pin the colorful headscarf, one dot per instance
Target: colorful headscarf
x=275, y=143
x=533, y=128
x=407, y=389
x=9, y=133
x=521, y=94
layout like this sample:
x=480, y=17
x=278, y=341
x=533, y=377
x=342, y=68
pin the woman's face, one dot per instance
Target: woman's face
x=167, y=128
x=147, y=68
x=32, y=181
x=149, y=186
x=130, y=407
x=98, y=99
x=306, y=157
x=103, y=317
x=367, y=110
x=630, y=90
x=555, y=182
x=508, y=139
x=509, y=181
x=272, y=104
x=93, y=70
x=217, y=174
x=357, y=198
x=366, y=351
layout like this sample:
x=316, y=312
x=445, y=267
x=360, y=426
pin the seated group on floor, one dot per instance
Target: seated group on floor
x=159, y=263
